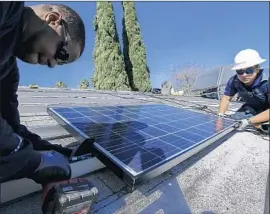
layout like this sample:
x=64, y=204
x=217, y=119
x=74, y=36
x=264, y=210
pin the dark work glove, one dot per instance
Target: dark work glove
x=53, y=167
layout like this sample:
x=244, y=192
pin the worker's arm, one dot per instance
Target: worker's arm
x=9, y=141
x=9, y=102
x=9, y=17
x=224, y=103
x=229, y=93
x=39, y=166
x=263, y=116
x=260, y=118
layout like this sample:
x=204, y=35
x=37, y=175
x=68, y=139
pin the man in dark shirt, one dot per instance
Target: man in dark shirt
x=41, y=34
x=252, y=86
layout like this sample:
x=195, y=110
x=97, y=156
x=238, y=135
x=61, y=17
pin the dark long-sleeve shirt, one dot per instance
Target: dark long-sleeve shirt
x=10, y=16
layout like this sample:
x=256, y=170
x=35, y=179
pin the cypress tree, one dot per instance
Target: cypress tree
x=134, y=50
x=110, y=73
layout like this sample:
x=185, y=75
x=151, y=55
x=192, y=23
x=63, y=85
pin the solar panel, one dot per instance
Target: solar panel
x=226, y=74
x=140, y=142
x=206, y=80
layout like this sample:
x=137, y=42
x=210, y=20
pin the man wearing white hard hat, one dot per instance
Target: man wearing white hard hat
x=252, y=86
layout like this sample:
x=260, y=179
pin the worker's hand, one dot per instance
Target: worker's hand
x=219, y=122
x=243, y=124
x=53, y=167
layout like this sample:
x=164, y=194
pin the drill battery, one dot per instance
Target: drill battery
x=74, y=196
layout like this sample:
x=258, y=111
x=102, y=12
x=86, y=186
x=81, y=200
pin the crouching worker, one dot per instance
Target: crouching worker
x=252, y=86
x=47, y=35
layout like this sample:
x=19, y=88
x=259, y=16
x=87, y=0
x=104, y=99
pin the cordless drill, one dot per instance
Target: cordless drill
x=74, y=196
x=61, y=194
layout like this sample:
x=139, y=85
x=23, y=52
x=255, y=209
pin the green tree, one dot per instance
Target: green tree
x=60, y=85
x=110, y=73
x=134, y=50
x=84, y=84
x=33, y=86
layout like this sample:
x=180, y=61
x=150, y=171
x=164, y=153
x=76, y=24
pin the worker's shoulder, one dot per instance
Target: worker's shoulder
x=10, y=16
x=10, y=11
x=264, y=83
x=265, y=75
x=232, y=80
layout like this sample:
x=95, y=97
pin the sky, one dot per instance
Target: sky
x=208, y=34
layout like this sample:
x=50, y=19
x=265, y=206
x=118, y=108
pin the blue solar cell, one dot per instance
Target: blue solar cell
x=169, y=138
x=176, y=141
x=62, y=110
x=80, y=121
x=160, y=148
x=162, y=119
x=93, y=129
x=166, y=128
x=119, y=127
x=148, y=121
x=143, y=137
x=142, y=161
x=192, y=122
x=120, y=117
x=131, y=115
x=146, y=114
x=71, y=115
x=201, y=132
x=152, y=131
x=135, y=125
x=90, y=113
x=180, y=125
x=190, y=136
x=125, y=153
x=107, y=138
x=103, y=119
x=136, y=136
x=118, y=145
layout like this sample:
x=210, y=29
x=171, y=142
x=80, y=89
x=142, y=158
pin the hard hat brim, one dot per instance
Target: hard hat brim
x=247, y=64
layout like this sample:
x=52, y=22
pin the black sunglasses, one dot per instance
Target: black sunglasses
x=61, y=54
x=247, y=71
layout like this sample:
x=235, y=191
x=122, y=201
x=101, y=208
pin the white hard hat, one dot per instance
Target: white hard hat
x=247, y=58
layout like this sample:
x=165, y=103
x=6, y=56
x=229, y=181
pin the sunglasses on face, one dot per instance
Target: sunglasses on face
x=62, y=55
x=247, y=71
